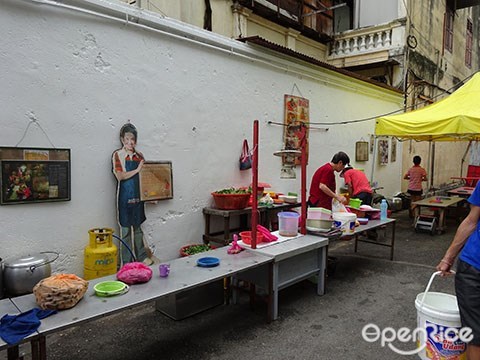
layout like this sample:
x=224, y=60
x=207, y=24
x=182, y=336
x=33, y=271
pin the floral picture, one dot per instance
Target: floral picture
x=32, y=175
x=393, y=156
x=383, y=151
x=296, y=119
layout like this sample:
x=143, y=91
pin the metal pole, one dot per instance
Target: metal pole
x=303, y=221
x=254, y=185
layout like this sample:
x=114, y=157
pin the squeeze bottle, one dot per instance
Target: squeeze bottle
x=383, y=210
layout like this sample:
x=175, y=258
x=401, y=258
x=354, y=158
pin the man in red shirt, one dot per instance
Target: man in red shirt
x=323, y=186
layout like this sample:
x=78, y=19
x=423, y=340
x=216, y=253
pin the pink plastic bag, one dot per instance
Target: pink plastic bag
x=134, y=273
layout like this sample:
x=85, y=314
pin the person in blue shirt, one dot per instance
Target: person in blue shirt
x=466, y=242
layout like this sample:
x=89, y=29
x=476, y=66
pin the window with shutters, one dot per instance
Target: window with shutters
x=469, y=44
x=448, y=30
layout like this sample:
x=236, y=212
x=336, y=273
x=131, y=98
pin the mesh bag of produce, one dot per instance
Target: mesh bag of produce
x=60, y=291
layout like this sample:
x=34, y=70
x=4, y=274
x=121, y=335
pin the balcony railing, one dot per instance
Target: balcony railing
x=367, y=40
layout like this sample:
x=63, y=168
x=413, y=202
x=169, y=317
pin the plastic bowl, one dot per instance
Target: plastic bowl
x=110, y=288
x=363, y=221
x=247, y=237
x=290, y=199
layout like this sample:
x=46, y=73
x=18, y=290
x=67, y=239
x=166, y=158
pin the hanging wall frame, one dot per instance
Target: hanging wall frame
x=361, y=151
x=156, y=181
x=33, y=175
x=296, y=119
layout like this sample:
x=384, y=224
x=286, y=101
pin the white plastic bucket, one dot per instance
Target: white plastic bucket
x=344, y=221
x=437, y=312
x=288, y=223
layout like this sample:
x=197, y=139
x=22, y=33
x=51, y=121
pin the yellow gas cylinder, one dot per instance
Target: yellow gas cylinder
x=100, y=254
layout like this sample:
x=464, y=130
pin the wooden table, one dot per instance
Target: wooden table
x=462, y=191
x=184, y=275
x=293, y=260
x=225, y=237
x=441, y=206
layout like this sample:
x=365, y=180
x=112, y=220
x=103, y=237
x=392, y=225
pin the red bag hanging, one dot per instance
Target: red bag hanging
x=246, y=157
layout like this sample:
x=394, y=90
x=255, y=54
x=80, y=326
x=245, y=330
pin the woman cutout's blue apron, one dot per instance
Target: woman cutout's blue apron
x=131, y=213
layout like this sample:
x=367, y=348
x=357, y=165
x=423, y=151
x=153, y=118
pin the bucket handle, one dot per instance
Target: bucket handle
x=430, y=284
x=33, y=267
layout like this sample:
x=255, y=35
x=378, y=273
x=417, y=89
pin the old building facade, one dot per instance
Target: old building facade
x=424, y=48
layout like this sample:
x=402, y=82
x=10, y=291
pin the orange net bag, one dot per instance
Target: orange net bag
x=61, y=291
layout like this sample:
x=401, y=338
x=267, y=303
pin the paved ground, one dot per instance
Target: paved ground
x=365, y=288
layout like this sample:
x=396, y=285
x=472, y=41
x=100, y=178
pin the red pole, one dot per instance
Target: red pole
x=303, y=159
x=254, y=185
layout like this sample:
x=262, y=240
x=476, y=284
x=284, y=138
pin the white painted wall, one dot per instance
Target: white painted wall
x=82, y=77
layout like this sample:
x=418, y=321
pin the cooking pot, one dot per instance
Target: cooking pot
x=22, y=274
x=395, y=204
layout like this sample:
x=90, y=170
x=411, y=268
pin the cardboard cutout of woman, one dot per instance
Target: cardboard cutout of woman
x=127, y=163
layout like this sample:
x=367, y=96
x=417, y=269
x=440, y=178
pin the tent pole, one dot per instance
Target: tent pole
x=433, y=164
x=373, y=158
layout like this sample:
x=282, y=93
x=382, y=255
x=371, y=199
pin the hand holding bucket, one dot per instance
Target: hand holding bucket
x=437, y=315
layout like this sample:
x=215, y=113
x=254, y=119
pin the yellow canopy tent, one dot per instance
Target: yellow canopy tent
x=456, y=117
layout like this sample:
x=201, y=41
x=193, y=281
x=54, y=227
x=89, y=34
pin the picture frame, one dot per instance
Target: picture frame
x=383, y=151
x=156, y=181
x=34, y=175
x=361, y=151
x=296, y=129
x=393, y=155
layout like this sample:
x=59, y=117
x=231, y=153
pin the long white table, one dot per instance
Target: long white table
x=184, y=275
x=293, y=260
x=375, y=225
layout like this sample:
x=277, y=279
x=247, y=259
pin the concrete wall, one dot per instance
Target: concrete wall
x=82, y=76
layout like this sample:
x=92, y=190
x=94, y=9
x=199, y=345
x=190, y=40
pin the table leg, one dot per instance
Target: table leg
x=270, y=294
x=207, y=226
x=226, y=230
x=441, y=224
x=322, y=265
x=253, y=293
x=39, y=348
x=393, y=240
x=275, y=291
x=13, y=353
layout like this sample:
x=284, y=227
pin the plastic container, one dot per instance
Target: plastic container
x=344, y=221
x=247, y=237
x=383, y=209
x=100, y=256
x=355, y=203
x=442, y=310
x=320, y=223
x=288, y=223
x=319, y=213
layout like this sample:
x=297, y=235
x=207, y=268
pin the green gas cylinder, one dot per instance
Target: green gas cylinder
x=100, y=254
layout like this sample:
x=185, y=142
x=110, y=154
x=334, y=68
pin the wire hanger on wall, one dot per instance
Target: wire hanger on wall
x=296, y=87
x=33, y=120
